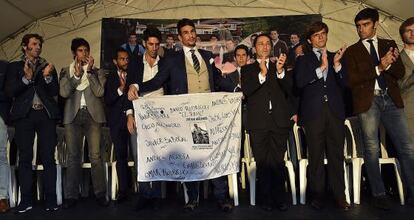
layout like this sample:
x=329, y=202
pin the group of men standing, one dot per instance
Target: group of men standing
x=373, y=68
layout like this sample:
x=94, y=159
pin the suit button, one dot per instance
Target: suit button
x=324, y=86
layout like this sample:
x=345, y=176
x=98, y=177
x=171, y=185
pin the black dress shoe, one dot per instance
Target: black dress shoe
x=191, y=205
x=156, y=204
x=382, y=202
x=281, y=206
x=225, y=205
x=141, y=203
x=102, y=201
x=343, y=204
x=267, y=206
x=69, y=203
x=121, y=198
x=317, y=204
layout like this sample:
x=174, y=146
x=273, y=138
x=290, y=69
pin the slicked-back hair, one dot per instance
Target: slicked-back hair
x=367, y=13
x=261, y=35
x=184, y=22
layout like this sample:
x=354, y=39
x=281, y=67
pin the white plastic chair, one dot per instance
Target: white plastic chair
x=357, y=163
x=12, y=177
x=303, y=164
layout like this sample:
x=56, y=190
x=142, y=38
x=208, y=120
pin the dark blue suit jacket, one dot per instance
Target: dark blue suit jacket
x=114, y=102
x=312, y=88
x=174, y=74
x=4, y=100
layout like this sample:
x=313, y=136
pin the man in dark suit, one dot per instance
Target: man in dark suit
x=33, y=84
x=4, y=115
x=320, y=77
x=374, y=67
x=140, y=70
x=115, y=100
x=190, y=70
x=266, y=88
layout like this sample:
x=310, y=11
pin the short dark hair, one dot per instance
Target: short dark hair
x=405, y=24
x=152, y=32
x=367, y=13
x=261, y=35
x=316, y=27
x=242, y=47
x=26, y=38
x=294, y=33
x=213, y=35
x=170, y=35
x=77, y=42
x=132, y=33
x=117, y=51
x=184, y=22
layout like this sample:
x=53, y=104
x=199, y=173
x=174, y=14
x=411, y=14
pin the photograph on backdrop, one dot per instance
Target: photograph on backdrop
x=219, y=36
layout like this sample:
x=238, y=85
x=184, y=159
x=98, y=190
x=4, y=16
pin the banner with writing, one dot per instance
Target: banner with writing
x=188, y=137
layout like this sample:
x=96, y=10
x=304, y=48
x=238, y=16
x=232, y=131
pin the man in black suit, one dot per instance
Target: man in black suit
x=115, y=100
x=320, y=76
x=266, y=88
x=190, y=70
x=33, y=84
x=140, y=70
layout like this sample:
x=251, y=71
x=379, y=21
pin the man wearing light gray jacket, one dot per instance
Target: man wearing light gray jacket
x=82, y=86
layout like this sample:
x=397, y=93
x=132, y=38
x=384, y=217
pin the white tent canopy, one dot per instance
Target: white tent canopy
x=59, y=21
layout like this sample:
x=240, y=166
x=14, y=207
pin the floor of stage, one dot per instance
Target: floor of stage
x=172, y=209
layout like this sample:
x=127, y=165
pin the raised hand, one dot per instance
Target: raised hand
x=90, y=62
x=389, y=58
x=338, y=55
x=280, y=63
x=324, y=59
x=78, y=67
x=47, y=70
x=263, y=67
x=28, y=72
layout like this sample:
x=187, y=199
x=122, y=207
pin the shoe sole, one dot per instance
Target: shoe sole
x=25, y=210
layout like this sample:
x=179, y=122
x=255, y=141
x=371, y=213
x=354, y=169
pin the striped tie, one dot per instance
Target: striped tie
x=196, y=63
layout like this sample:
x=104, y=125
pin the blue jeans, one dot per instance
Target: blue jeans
x=395, y=122
x=4, y=165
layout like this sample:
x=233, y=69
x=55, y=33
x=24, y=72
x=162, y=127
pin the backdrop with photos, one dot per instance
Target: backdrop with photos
x=220, y=36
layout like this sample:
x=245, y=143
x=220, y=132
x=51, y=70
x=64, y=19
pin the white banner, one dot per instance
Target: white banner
x=188, y=137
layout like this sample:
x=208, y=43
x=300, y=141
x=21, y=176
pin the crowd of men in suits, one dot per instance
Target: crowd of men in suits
x=302, y=83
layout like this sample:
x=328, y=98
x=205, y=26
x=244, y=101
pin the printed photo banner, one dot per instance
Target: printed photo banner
x=188, y=137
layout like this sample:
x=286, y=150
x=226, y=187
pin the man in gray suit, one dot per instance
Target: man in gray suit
x=82, y=85
x=407, y=82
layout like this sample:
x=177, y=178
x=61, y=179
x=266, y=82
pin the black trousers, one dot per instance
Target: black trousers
x=269, y=148
x=326, y=135
x=37, y=121
x=220, y=185
x=120, y=139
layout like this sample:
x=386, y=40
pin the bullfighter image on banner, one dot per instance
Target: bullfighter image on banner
x=188, y=137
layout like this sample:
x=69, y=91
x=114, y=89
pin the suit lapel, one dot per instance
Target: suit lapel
x=406, y=59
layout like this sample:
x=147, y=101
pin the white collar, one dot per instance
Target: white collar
x=188, y=49
x=145, y=60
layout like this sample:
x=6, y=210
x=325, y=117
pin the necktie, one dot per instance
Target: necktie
x=376, y=62
x=196, y=63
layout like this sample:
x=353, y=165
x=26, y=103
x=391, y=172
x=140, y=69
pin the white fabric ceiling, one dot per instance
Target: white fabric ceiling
x=61, y=20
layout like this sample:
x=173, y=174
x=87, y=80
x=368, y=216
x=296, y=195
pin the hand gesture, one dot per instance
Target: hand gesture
x=90, y=62
x=122, y=81
x=389, y=58
x=47, y=70
x=263, y=67
x=132, y=93
x=28, y=72
x=78, y=67
x=324, y=59
x=131, y=124
x=339, y=54
x=280, y=63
